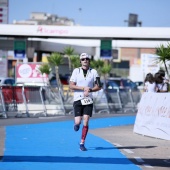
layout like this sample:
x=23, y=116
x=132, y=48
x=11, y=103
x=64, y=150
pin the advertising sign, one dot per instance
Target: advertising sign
x=153, y=116
x=149, y=63
x=106, y=49
x=19, y=49
x=29, y=73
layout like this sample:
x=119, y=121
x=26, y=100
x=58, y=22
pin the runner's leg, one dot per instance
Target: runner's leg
x=85, y=128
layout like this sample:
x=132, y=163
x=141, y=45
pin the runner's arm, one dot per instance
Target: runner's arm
x=73, y=86
x=95, y=88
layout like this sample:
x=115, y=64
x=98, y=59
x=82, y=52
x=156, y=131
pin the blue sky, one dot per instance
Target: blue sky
x=152, y=13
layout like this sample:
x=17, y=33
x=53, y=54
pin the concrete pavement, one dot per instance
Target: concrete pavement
x=146, y=152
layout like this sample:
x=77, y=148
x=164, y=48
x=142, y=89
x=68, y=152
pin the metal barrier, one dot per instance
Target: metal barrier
x=2, y=105
x=46, y=101
x=100, y=102
x=68, y=101
x=53, y=101
x=136, y=96
x=126, y=100
x=114, y=100
x=123, y=100
x=30, y=101
x=11, y=97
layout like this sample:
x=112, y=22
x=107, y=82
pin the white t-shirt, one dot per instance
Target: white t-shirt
x=163, y=86
x=88, y=81
x=150, y=87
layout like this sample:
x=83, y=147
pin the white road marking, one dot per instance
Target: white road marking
x=128, y=150
x=116, y=144
x=138, y=159
x=52, y=117
x=147, y=166
x=109, y=141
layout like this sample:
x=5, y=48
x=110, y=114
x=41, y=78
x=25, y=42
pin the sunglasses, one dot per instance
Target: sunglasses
x=85, y=59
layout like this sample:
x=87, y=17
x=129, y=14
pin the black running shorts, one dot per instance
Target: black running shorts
x=80, y=110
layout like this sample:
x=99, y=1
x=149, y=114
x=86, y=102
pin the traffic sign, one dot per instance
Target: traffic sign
x=19, y=49
x=106, y=49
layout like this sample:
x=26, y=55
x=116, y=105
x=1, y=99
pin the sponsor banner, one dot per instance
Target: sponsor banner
x=29, y=73
x=149, y=63
x=19, y=49
x=106, y=49
x=34, y=30
x=153, y=116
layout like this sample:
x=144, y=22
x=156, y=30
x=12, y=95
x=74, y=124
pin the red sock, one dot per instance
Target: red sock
x=84, y=133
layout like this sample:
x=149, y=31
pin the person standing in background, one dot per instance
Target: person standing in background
x=149, y=83
x=161, y=82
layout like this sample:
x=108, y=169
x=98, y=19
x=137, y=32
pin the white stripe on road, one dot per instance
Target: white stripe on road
x=128, y=150
x=147, y=166
x=116, y=144
x=138, y=159
x=52, y=117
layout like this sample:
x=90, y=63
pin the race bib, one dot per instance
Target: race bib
x=86, y=101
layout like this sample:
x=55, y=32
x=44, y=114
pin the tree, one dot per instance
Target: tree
x=102, y=67
x=97, y=64
x=75, y=61
x=69, y=51
x=55, y=59
x=105, y=70
x=44, y=69
x=164, y=55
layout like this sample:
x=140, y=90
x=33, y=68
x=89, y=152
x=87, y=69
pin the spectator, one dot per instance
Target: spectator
x=161, y=84
x=149, y=83
x=162, y=73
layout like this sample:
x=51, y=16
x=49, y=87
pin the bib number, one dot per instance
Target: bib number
x=86, y=101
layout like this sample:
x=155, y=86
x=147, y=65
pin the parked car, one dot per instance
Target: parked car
x=64, y=80
x=120, y=83
x=113, y=84
x=140, y=85
x=7, y=81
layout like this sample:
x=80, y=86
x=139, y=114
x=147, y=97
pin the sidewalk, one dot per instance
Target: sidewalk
x=146, y=152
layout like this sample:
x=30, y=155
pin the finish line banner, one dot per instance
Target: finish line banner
x=153, y=116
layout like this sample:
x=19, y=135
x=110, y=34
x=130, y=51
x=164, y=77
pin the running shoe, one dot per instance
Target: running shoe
x=82, y=147
x=76, y=127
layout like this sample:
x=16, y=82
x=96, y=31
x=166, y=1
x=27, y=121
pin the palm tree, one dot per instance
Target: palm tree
x=97, y=64
x=164, y=55
x=75, y=61
x=102, y=67
x=44, y=69
x=55, y=59
x=69, y=51
x=105, y=70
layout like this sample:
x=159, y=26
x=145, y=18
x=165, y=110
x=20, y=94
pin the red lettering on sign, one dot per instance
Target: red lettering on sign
x=44, y=30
